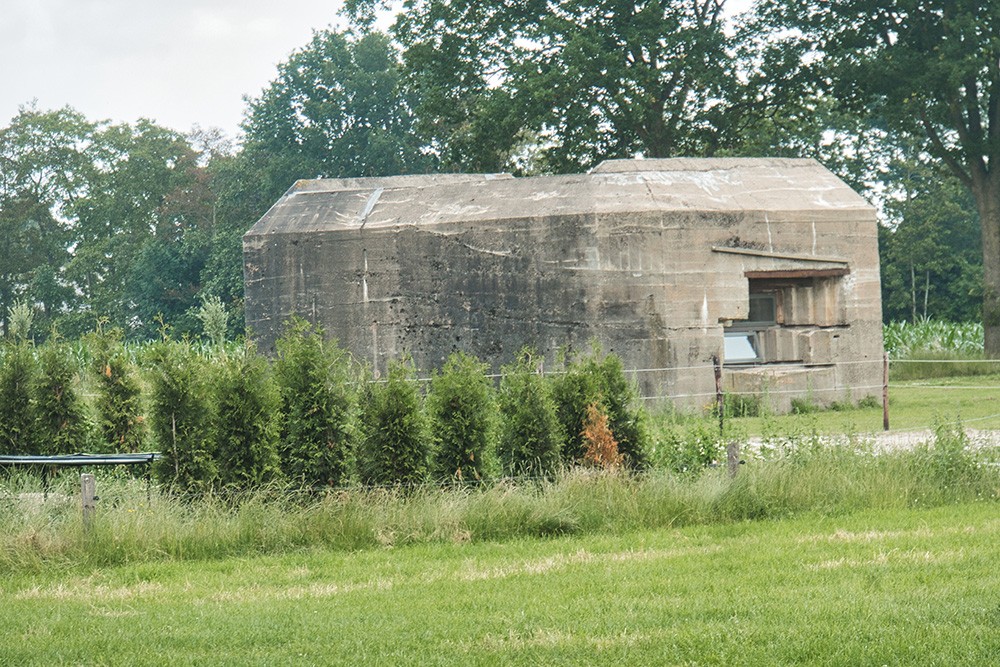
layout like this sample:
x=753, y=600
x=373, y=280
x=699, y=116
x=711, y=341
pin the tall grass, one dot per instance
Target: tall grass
x=929, y=364
x=137, y=523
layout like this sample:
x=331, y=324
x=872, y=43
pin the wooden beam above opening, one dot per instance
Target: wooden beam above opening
x=795, y=257
x=797, y=273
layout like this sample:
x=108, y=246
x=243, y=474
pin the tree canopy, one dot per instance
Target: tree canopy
x=559, y=87
x=135, y=224
x=88, y=206
x=927, y=69
x=43, y=169
x=931, y=257
x=337, y=108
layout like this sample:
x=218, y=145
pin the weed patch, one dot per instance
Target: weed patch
x=790, y=478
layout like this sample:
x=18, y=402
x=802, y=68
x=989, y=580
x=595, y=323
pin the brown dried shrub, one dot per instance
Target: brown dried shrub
x=601, y=446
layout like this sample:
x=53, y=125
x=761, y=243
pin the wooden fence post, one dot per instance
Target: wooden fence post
x=88, y=496
x=733, y=458
x=885, y=391
x=720, y=399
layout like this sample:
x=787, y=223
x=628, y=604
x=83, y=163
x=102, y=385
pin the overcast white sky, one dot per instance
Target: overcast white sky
x=178, y=62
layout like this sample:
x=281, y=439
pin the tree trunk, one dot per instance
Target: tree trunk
x=988, y=202
x=927, y=292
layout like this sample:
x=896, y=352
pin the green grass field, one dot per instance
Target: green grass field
x=913, y=405
x=886, y=587
x=818, y=554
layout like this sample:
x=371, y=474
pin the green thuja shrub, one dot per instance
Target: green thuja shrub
x=245, y=428
x=121, y=423
x=395, y=431
x=627, y=416
x=214, y=320
x=17, y=424
x=318, y=406
x=181, y=417
x=462, y=409
x=530, y=434
x=574, y=390
x=20, y=318
x=601, y=380
x=61, y=425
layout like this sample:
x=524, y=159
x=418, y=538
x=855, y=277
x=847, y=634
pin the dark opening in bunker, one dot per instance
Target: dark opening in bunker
x=788, y=316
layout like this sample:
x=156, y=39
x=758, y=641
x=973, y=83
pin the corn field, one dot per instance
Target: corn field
x=912, y=339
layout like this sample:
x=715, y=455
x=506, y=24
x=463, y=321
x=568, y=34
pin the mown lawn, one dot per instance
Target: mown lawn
x=898, y=587
x=913, y=405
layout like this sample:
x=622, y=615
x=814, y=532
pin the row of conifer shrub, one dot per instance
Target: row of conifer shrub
x=224, y=416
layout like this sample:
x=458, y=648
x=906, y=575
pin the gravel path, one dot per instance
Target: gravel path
x=898, y=439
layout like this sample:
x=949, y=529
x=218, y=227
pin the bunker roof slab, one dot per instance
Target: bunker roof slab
x=613, y=187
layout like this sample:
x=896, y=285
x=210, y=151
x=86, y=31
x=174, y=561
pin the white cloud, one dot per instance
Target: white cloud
x=179, y=62
x=209, y=24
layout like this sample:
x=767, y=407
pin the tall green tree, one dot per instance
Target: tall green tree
x=930, y=255
x=61, y=424
x=246, y=420
x=120, y=416
x=181, y=411
x=17, y=410
x=140, y=234
x=580, y=81
x=530, y=433
x=928, y=69
x=462, y=410
x=43, y=169
x=336, y=109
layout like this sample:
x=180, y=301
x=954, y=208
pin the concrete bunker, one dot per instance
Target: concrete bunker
x=769, y=264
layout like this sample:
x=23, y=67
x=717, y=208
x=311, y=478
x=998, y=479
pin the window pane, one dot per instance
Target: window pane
x=762, y=309
x=739, y=347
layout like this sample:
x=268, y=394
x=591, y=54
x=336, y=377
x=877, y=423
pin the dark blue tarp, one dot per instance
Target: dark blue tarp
x=81, y=459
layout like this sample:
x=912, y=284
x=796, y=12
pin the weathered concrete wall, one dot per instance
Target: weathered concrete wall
x=651, y=264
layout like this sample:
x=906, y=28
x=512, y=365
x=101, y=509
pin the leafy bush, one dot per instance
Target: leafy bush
x=574, y=391
x=949, y=460
x=119, y=397
x=530, y=434
x=462, y=409
x=627, y=417
x=394, y=429
x=245, y=429
x=181, y=418
x=688, y=447
x=869, y=402
x=318, y=407
x=61, y=426
x=805, y=406
x=593, y=379
x=17, y=427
